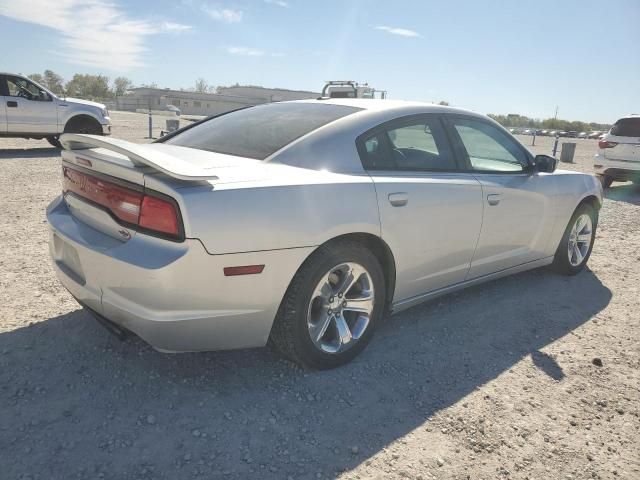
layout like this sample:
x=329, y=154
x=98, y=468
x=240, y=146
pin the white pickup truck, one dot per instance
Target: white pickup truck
x=28, y=110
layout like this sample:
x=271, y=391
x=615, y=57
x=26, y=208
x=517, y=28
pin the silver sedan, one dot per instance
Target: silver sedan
x=303, y=224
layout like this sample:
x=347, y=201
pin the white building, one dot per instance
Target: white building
x=193, y=103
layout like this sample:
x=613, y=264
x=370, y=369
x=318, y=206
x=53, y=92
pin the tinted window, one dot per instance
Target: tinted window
x=626, y=127
x=258, y=132
x=489, y=148
x=416, y=145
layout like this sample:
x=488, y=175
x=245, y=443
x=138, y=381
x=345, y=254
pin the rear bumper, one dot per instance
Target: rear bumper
x=621, y=170
x=173, y=295
x=619, y=174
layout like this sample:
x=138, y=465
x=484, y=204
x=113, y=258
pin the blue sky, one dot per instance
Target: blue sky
x=486, y=55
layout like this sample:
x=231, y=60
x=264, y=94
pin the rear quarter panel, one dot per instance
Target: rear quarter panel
x=300, y=209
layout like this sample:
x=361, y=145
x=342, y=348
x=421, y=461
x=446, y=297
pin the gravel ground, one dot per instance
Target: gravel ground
x=534, y=376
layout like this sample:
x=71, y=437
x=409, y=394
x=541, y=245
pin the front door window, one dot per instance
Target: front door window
x=20, y=87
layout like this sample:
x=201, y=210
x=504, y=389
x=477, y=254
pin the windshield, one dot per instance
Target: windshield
x=258, y=132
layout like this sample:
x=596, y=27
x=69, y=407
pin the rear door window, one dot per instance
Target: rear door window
x=419, y=144
x=3, y=86
x=626, y=127
x=258, y=132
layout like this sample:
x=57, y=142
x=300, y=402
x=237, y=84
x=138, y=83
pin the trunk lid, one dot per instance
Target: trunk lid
x=153, y=169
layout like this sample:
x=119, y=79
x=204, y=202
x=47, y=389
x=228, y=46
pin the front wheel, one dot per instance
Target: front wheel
x=83, y=125
x=54, y=141
x=331, y=308
x=605, y=180
x=577, y=242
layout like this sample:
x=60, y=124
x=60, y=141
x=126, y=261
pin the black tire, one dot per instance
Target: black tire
x=85, y=125
x=605, y=180
x=561, y=261
x=54, y=142
x=290, y=333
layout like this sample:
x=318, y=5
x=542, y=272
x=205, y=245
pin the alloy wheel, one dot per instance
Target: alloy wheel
x=580, y=239
x=340, y=308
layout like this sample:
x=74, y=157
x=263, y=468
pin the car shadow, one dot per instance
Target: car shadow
x=12, y=153
x=627, y=192
x=78, y=402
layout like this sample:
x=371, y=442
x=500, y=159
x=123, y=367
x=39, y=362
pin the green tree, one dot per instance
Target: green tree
x=36, y=77
x=53, y=82
x=202, y=86
x=89, y=86
x=121, y=85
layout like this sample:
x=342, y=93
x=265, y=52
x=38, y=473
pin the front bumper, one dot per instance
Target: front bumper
x=106, y=128
x=173, y=295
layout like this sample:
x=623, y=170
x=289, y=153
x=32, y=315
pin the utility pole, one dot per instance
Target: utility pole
x=555, y=117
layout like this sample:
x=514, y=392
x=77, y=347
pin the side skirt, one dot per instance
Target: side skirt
x=410, y=302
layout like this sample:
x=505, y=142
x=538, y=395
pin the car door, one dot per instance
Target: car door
x=29, y=109
x=430, y=211
x=518, y=203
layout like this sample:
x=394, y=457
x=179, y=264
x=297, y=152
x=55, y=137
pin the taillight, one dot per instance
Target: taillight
x=606, y=144
x=130, y=204
x=159, y=215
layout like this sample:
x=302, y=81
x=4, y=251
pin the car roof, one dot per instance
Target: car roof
x=631, y=115
x=378, y=105
x=333, y=147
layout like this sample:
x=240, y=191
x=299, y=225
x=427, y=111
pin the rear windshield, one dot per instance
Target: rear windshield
x=626, y=127
x=257, y=132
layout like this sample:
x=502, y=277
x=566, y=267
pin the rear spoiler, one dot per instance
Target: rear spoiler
x=140, y=155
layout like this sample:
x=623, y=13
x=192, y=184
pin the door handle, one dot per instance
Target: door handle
x=398, y=199
x=494, y=198
x=11, y=103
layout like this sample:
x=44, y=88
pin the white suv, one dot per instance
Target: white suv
x=619, y=155
x=28, y=110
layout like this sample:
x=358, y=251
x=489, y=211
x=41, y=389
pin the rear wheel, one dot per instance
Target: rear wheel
x=331, y=308
x=86, y=125
x=54, y=142
x=577, y=242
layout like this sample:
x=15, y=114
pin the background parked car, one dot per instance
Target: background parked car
x=618, y=157
x=29, y=110
x=174, y=109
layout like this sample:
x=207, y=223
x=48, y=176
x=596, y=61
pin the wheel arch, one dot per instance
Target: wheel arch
x=82, y=117
x=380, y=249
x=592, y=201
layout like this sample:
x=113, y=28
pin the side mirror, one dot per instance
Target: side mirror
x=544, y=163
